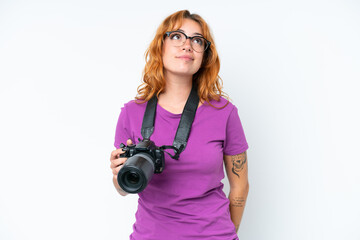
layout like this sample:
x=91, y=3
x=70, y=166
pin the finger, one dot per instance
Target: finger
x=129, y=142
x=116, y=170
x=114, y=165
x=117, y=162
x=115, y=154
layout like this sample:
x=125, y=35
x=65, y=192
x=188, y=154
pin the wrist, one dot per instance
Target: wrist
x=118, y=188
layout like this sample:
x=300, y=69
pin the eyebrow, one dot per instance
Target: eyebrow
x=194, y=33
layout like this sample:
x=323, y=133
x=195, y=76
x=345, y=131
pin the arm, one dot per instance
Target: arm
x=237, y=173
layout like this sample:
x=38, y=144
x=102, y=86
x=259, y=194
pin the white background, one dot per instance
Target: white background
x=67, y=67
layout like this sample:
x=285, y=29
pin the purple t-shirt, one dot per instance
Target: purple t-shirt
x=186, y=200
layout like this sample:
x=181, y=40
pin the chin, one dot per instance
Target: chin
x=180, y=72
x=185, y=73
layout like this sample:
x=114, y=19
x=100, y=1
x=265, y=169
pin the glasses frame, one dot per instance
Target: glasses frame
x=208, y=43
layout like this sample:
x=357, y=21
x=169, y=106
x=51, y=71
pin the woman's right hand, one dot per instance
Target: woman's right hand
x=116, y=164
x=117, y=161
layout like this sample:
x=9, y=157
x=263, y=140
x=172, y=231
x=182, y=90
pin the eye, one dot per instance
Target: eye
x=175, y=36
x=199, y=41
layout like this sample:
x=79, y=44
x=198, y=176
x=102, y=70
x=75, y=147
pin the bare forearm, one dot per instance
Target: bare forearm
x=118, y=188
x=237, y=205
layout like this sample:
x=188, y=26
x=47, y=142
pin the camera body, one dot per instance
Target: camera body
x=144, y=159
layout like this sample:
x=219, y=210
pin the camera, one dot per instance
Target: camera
x=144, y=159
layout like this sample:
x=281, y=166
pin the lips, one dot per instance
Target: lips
x=186, y=57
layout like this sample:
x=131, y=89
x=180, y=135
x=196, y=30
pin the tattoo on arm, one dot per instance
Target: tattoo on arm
x=238, y=162
x=238, y=202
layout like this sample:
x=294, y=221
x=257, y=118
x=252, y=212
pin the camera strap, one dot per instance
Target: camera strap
x=183, y=131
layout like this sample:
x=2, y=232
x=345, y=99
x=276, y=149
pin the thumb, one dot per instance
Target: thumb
x=129, y=142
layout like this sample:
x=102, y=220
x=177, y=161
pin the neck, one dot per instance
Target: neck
x=177, y=88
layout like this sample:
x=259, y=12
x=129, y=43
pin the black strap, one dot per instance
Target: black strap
x=183, y=131
x=147, y=127
x=187, y=118
x=177, y=151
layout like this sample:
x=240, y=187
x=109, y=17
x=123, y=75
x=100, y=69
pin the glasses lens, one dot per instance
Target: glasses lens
x=177, y=38
x=198, y=44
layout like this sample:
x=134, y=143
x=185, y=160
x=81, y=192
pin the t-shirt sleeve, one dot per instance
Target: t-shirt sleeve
x=235, y=141
x=122, y=133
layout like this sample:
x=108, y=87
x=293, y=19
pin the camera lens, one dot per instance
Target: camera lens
x=133, y=178
x=136, y=173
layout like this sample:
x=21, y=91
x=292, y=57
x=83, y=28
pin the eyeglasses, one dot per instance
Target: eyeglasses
x=198, y=43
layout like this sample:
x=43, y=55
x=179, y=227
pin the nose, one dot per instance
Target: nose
x=187, y=45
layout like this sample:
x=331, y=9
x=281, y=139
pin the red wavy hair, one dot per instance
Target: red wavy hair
x=207, y=79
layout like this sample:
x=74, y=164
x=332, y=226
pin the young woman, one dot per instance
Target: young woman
x=186, y=200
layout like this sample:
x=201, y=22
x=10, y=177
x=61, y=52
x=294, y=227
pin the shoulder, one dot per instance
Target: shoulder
x=223, y=105
x=134, y=105
x=218, y=111
x=133, y=110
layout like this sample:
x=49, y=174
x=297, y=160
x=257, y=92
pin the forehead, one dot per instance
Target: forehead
x=190, y=26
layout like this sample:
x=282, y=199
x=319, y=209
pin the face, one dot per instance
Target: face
x=182, y=60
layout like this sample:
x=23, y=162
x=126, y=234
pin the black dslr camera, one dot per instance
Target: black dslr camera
x=144, y=159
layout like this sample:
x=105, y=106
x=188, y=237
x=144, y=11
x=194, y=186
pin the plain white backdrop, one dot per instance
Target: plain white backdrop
x=67, y=67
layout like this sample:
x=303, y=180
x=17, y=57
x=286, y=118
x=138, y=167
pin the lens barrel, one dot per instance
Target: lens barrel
x=136, y=173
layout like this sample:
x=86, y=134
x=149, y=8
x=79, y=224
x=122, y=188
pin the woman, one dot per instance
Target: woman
x=186, y=200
